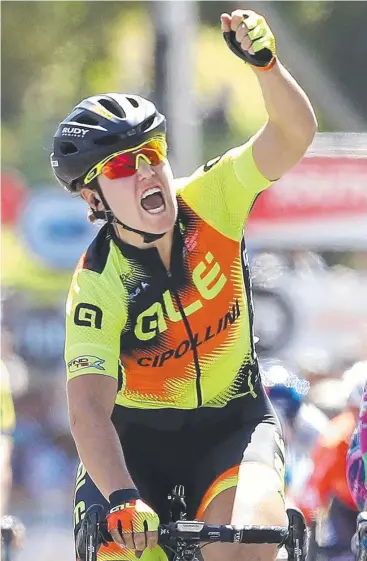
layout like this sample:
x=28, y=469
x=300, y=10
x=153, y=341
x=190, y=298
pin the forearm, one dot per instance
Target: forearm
x=100, y=451
x=286, y=103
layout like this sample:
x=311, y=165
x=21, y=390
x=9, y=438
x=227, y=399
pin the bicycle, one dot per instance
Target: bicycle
x=185, y=538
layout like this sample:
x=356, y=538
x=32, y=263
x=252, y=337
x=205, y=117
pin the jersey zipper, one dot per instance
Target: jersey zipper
x=199, y=395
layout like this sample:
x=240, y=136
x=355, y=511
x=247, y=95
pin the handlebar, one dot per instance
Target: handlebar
x=185, y=536
x=195, y=531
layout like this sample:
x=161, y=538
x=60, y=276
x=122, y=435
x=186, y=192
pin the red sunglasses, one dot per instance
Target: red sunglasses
x=125, y=163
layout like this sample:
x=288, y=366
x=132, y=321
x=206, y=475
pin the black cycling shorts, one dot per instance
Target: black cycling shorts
x=199, y=449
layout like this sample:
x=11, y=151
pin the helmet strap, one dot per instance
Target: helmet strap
x=108, y=215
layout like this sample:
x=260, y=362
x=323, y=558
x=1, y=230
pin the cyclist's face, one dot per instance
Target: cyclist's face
x=145, y=201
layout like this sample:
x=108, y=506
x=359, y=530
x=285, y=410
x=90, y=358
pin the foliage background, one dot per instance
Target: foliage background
x=55, y=53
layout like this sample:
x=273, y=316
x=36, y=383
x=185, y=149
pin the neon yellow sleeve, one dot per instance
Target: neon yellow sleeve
x=223, y=191
x=7, y=412
x=95, y=317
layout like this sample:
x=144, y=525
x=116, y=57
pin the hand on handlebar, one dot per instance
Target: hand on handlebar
x=133, y=524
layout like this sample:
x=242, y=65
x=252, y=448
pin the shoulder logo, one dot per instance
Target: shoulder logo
x=86, y=361
x=211, y=163
x=124, y=277
x=88, y=315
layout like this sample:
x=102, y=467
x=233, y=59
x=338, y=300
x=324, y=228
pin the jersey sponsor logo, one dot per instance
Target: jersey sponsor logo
x=191, y=241
x=197, y=340
x=80, y=508
x=211, y=163
x=209, y=281
x=88, y=315
x=85, y=361
x=142, y=287
x=238, y=535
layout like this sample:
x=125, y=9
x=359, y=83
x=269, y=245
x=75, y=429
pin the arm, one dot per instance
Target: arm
x=91, y=400
x=96, y=314
x=291, y=125
x=95, y=317
x=224, y=190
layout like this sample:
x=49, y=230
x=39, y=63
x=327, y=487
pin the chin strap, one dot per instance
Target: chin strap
x=111, y=218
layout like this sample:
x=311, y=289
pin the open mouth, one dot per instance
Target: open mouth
x=153, y=201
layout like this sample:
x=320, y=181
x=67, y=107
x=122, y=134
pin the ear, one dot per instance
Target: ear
x=84, y=193
x=88, y=195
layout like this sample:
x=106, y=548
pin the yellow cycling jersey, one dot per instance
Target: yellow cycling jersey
x=7, y=413
x=180, y=339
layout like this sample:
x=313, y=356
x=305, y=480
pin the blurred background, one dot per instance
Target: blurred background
x=306, y=238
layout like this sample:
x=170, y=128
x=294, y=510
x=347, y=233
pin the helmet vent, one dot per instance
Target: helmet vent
x=107, y=140
x=67, y=148
x=148, y=123
x=86, y=120
x=133, y=102
x=113, y=107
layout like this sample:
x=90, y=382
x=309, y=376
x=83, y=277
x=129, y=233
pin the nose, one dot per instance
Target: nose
x=144, y=171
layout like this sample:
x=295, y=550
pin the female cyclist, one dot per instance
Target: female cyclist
x=163, y=380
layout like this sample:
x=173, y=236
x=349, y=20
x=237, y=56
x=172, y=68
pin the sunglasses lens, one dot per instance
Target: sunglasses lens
x=125, y=165
x=122, y=165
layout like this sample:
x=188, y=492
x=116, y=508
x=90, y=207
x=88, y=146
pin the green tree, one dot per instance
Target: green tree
x=53, y=55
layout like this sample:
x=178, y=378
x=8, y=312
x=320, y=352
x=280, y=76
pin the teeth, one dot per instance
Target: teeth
x=151, y=191
x=156, y=210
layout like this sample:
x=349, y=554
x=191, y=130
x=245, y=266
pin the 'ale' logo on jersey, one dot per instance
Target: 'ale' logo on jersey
x=206, y=274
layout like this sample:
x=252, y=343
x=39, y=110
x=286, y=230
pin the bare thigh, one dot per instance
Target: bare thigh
x=257, y=499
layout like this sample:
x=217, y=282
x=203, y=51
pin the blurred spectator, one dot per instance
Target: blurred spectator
x=13, y=527
x=314, y=365
x=308, y=262
x=267, y=268
x=45, y=456
x=7, y=416
x=325, y=499
x=302, y=422
x=16, y=366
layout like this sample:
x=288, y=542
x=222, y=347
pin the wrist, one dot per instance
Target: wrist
x=121, y=496
x=270, y=66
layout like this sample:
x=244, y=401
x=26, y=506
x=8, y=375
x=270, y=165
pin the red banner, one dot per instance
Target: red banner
x=14, y=193
x=317, y=188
